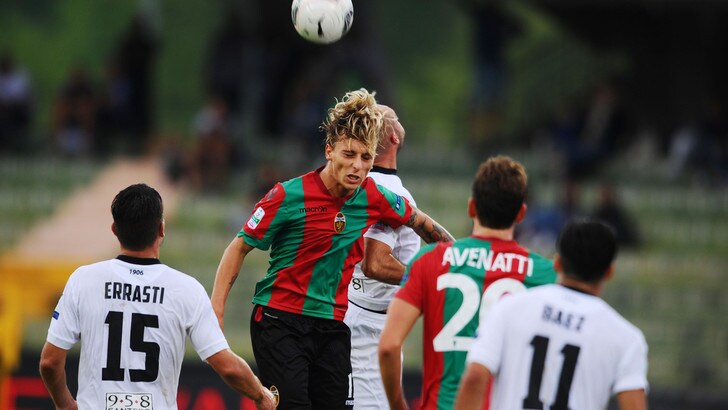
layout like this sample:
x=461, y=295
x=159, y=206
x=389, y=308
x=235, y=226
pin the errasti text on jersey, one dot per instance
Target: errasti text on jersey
x=134, y=293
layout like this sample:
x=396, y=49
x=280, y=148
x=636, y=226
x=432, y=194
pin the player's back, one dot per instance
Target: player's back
x=562, y=348
x=454, y=285
x=132, y=317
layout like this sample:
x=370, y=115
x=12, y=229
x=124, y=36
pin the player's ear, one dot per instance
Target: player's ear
x=161, y=229
x=113, y=228
x=327, y=151
x=610, y=273
x=558, y=266
x=395, y=137
x=521, y=213
x=472, y=213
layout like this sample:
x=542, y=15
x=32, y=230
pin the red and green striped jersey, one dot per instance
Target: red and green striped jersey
x=315, y=241
x=453, y=284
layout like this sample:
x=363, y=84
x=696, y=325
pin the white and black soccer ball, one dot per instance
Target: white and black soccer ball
x=322, y=21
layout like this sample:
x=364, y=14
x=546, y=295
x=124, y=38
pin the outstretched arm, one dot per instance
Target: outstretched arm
x=53, y=373
x=473, y=386
x=227, y=272
x=237, y=374
x=427, y=228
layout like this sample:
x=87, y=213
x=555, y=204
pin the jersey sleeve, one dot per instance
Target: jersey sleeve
x=487, y=348
x=632, y=370
x=412, y=288
x=65, y=328
x=204, y=332
x=266, y=220
x=395, y=210
x=383, y=233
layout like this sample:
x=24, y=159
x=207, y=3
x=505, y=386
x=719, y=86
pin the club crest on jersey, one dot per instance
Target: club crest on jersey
x=256, y=218
x=273, y=389
x=339, y=222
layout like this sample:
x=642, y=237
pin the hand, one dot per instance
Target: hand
x=267, y=401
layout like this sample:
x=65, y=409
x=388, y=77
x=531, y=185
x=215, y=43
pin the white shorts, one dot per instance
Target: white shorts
x=366, y=327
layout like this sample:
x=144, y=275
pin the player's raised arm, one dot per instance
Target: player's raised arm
x=227, y=272
x=427, y=228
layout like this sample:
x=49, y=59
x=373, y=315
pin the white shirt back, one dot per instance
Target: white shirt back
x=560, y=348
x=405, y=243
x=133, y=320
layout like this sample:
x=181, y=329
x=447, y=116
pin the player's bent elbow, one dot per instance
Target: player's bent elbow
x=389, y=350
x=47, y=365
x=226, y=364
x=369, y=268
x=52, y=359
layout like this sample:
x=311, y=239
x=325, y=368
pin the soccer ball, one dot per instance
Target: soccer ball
x=322, y=21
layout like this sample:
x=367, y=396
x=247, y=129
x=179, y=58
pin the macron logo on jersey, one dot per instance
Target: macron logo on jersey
x=56, y=314
x=256, y=218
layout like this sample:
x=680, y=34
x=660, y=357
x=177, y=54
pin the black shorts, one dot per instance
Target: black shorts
x=305, y=359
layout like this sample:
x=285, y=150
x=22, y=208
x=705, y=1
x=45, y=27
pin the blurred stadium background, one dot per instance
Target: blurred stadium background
x=617, y=108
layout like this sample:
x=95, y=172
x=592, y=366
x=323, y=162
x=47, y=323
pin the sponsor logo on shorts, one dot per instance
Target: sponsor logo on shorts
x=398, y=203
x=339, y=222
x=256, y=218
x=129, y=401
x=273, y=389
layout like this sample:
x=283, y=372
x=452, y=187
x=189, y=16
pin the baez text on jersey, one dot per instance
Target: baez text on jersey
x=134, y=293
x=570, y=321
x=481, y=258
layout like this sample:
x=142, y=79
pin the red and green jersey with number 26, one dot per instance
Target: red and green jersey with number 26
x=453, y=285
x=315, y=241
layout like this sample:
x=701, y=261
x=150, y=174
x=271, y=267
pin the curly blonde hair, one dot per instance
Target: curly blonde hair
x=356, y=116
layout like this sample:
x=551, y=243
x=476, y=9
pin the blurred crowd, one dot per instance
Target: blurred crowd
x=264, y=88
x=86, y=118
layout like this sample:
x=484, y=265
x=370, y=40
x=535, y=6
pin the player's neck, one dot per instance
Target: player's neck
x=386, y=160
x=149, y=253
x=592, y=289
x=485, y=232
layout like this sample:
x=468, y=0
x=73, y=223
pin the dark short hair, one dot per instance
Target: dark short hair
x=587, y=248
x=499, y=190
x=137, y=212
